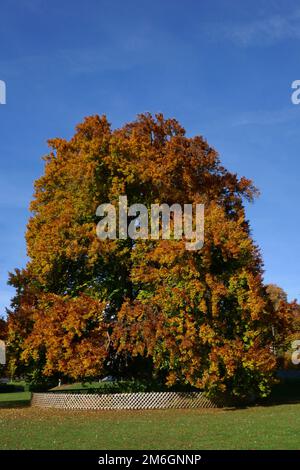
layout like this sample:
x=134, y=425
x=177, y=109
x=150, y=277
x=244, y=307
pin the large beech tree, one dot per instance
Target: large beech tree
x=85, y=306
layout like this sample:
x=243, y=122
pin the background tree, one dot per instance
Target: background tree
x=3, y=329
x=202, y=318
x=3, y=336
x=277, y=295
x=284, y=341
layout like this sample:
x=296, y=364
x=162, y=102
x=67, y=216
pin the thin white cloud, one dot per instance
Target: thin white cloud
x=117, y=53
x=260, y=32
x=266, y=117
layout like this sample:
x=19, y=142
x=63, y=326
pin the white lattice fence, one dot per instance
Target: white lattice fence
x=123, y=401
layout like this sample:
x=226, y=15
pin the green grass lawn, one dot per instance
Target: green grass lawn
x=276, y=425
x=12, y=400
x=269, y=427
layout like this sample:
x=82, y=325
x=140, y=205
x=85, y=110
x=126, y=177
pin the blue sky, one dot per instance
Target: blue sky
x=223, y=68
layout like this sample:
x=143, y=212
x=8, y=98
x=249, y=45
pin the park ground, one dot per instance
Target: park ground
x=271, y=426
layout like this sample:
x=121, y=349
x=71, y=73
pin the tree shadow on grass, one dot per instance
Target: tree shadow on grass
x=286, y=392
x=14, y=404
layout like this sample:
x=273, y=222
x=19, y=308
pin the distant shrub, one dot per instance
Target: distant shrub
x=121, y=386
x=11, y=388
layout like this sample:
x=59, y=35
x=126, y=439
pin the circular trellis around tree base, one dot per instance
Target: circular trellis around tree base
x=124, y=401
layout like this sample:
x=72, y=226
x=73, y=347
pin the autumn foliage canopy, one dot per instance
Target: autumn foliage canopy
x=85, y=307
